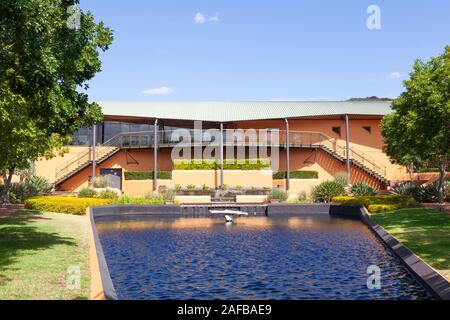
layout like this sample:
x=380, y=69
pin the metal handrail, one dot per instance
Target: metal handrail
x=65, y=167
x=240, y=137
x=84, y=157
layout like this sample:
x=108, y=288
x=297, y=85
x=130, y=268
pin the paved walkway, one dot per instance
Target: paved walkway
x=445, y=207
x=9, y=209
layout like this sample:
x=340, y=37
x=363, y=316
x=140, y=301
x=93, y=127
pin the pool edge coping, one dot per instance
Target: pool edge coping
x=430, y=279
x=102, y=287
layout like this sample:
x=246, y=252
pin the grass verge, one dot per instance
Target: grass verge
x=40, y=254
x=425, y=231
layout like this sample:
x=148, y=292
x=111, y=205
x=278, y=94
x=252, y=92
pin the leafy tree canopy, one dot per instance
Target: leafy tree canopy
x=45, y=66
x=419, y=128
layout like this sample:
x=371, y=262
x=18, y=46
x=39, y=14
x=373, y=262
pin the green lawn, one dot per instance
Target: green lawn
x=36, y=252
x=425, y=231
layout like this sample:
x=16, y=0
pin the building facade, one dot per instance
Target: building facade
x=327, y=137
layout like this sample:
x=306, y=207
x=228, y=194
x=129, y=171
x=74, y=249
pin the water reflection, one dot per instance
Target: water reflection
x=284, y=257
x=299, y=223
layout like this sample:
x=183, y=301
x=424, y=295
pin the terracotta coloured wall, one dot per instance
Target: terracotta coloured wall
x=371, y=144
x=133, y=160
x=327, y=166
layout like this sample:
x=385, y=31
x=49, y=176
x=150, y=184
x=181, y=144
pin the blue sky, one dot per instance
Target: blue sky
x=263, y=50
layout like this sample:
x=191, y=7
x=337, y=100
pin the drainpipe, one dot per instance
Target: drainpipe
x=347, y=147
x=94, y=151
x=155, y=156
x=221, y=156
x=288, y=164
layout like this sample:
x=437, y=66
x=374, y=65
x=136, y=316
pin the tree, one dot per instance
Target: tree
x=419, y=128
x=45, y=65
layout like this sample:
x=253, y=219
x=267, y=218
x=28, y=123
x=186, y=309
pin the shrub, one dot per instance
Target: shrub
x=100, y=182
x=178, y=188
x=87, y=193
x=326, y=190
x=31, y=187
x=190, y=187
x=341, y=178
x=302, y=197
x=168, y=196
x=363, y=189
x=147, y=175
x=229, y=164
x=387, y=203
x=13, y=192
x=277, y=194
x=107, y=194
x=424, y=170
x=36, y=186
x=429, y=193
x=139, y=200
x=405, y=189
x=70, y=205
x=301, y=174
x=379, y=208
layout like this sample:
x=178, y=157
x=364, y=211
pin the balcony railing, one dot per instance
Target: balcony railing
x=248, y=138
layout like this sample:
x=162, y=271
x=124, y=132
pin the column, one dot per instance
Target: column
x=155, y=156
x=347, y=147
x=288, y=163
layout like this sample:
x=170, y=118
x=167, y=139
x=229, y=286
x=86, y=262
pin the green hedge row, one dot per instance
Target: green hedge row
x=297, y=175
x=147, y=175
x=61, y=204
x=229, y=164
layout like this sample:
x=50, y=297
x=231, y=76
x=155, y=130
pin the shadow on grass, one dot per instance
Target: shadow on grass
x=425, y=231
x=18, y=234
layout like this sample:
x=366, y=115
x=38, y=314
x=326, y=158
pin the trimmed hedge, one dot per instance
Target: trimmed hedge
x=229, y=164
x=147, y=175
x=139, y=200
x=301, y=174
x=379, y=208
x=378, y=203
x=70, y=205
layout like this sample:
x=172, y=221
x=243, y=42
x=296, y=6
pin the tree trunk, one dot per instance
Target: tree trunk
x=4, y=198
x=441, y=186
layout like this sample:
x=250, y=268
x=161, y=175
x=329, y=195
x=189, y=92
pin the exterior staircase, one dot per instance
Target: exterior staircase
x=332, y=147
x=297, y=139
x=376, y=174
x=73, y=166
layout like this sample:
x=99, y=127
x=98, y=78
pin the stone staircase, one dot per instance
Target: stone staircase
x=80, y=162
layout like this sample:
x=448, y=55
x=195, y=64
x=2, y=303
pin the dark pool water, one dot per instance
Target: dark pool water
x=298, y=257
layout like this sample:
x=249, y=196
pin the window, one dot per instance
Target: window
x=83, y=136
x=113, y=128
x=368, y=129
x=337, y=130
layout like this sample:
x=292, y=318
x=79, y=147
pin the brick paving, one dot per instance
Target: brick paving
x=9, y=209
x=445, y=207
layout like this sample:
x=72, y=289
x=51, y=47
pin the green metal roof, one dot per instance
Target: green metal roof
x=243, y=110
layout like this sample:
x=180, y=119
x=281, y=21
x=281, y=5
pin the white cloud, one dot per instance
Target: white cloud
x=395, y=75
x=214, y=18
x=160, y=91
x=200, y=18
